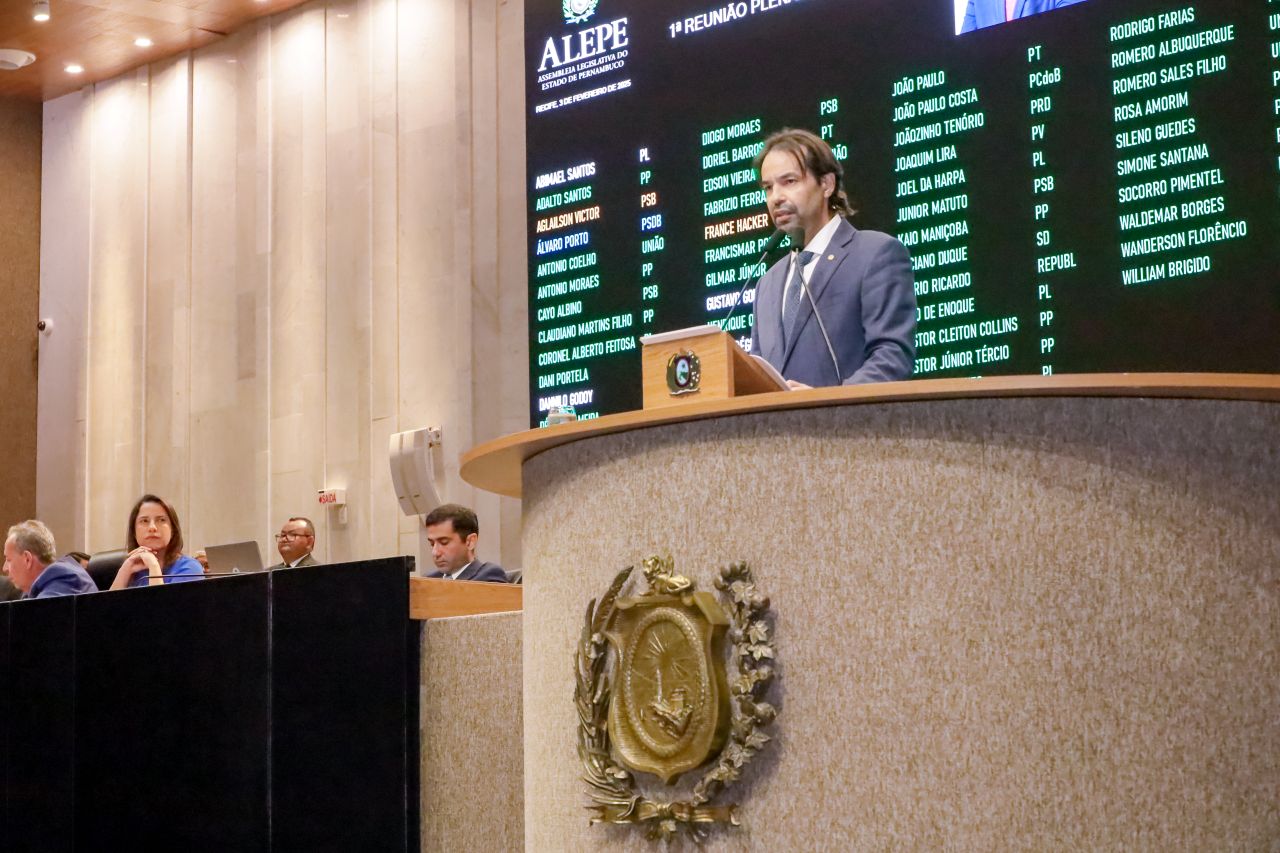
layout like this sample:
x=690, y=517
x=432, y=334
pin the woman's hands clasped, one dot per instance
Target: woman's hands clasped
x=140, y=559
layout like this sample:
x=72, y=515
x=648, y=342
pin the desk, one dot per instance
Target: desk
x=439, y=598
x=275, y=711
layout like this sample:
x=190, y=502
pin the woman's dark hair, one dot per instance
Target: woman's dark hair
x=175, y=541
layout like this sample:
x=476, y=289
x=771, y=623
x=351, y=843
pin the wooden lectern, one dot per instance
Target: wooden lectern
x=701, y=363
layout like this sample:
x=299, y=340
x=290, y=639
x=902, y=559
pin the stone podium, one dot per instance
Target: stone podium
x=1011, y=613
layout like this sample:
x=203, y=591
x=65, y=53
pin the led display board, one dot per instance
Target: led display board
x=1091, y=188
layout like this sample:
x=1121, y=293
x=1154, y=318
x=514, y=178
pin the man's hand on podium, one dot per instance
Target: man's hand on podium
x=797, y=386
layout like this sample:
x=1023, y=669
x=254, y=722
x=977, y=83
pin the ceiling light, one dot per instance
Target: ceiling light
x=40, y=10
x=75, y=69
x=143, y=41
x=12, y=60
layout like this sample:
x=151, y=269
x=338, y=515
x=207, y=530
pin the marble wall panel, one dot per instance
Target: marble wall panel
x=486, y=296
x=298, y=264
x=229, y=279
x=285, y=247
x=384, y=375
x=348, y=271
x=64, y=289
x=435, y=370
x=168, y=285
x=512, y=259
x=117, y=306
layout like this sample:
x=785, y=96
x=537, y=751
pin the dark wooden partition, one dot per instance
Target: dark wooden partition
x=270, y=712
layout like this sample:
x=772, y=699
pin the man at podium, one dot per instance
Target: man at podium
x=842, y=310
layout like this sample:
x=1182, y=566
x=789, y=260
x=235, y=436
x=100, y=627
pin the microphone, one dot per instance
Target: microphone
x=774, y=241
x=822, y=327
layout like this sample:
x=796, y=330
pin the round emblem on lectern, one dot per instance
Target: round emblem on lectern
x=684, y=373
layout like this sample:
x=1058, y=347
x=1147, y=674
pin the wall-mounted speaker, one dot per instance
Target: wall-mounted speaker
x=417, y=465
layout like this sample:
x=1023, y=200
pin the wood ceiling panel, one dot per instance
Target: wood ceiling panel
x=153, y=11
x=99, y=34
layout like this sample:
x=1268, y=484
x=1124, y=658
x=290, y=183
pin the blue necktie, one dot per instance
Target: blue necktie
x=791, y=296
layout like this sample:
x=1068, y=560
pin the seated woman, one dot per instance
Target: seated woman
x=155, y=548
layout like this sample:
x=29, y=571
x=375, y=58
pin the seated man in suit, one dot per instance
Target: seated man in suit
x=843, y=310
x=295, y=541
x=29, y=562
x=985, y=13
x=453, y=532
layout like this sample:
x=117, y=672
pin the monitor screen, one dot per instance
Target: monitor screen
x=1088, y=186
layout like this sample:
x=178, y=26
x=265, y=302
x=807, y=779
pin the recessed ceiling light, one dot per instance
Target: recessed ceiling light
x=143, y=41
x=12, y=60
x=40, y=10
x=75, y=69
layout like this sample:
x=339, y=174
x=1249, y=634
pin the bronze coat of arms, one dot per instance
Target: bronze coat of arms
x=666, y=706
x=684, y=373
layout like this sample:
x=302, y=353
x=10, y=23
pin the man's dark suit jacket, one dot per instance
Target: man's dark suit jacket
x=865, y=290
x=306, y=561
x=478, y=571
x=985, y=13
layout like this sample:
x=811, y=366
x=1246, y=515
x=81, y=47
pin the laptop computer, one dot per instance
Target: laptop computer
x=236, y=558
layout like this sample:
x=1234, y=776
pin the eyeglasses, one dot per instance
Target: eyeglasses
x=280, y=537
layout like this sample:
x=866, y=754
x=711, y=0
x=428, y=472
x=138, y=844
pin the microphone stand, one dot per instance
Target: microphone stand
x=774, y=241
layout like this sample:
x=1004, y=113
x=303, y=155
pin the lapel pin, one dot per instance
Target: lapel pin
x=831, y=257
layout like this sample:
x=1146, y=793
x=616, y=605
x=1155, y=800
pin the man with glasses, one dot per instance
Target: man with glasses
x=295, y=542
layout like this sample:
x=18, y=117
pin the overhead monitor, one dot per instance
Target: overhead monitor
x=1088, y=186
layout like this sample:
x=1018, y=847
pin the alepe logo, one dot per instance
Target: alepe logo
x=577, y=11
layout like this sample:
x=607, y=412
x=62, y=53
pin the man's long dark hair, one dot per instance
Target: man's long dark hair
x=815, y=158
